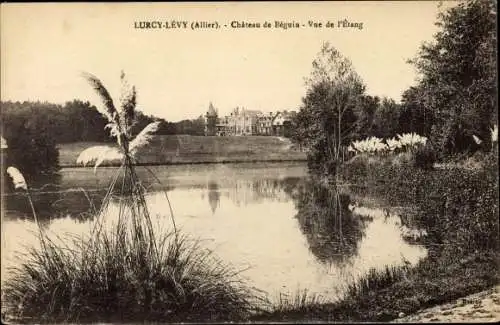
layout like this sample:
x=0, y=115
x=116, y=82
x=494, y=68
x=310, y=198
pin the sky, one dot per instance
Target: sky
x=178, y=72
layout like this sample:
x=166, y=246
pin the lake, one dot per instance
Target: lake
x=269, y=220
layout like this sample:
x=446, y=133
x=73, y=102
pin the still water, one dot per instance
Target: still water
x=286, y=232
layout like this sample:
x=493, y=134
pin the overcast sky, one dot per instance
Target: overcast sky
x=178, y=72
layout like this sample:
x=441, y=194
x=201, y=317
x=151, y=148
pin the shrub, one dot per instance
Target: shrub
x=424, y=157
x=31, y=150
x=356, y=168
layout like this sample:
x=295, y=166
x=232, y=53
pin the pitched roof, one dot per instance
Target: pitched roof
x=211, y=110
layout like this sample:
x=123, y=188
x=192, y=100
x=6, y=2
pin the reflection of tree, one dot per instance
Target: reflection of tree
x=51, y=200
x=213, y=195
x=332, y=231
x=44, y=192
x=245, y=191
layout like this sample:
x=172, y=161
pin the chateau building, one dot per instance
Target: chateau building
x=242, y=121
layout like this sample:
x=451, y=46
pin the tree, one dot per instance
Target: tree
x=458, y=76
x=29, y=137
x=386, y=119
x=83, y=123
x=365, y=113
x=73, y=122
x=415, y=115
x=328, y=110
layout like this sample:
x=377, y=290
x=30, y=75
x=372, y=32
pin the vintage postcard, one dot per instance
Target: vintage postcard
x=249, y=162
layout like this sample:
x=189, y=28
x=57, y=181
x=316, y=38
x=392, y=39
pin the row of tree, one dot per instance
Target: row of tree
x=33, y=130
x=453, y=101
x=78, y=121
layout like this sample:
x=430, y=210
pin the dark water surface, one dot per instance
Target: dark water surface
x=287, y=232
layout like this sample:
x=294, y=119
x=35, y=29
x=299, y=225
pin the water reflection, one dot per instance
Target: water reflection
x=332, y=231
x=213, y=195
x=52, y=199
x=292, y=232
x=75, y=191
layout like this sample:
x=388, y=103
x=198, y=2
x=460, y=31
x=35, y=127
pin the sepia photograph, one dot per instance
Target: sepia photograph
x=249, y=162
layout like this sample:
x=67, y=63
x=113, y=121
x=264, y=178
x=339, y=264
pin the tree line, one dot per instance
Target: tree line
x=77, y=121
x=33, y=130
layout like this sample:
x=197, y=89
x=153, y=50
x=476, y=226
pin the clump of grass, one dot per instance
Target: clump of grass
x=301, y=301
x=299, y=305
x=124, y=270
x=375, y=280
x=106, y=278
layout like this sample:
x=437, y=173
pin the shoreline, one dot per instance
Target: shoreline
x=192, y=162
x=480, y=306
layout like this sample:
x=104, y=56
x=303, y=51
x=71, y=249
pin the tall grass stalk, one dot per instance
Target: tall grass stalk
x=375, y=280
x=300, y=301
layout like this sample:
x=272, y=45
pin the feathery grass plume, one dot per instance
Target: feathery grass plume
x=119, y=129
x=17, y=178
x=109, y=110
x=494, y=133
x=476, y=139
x=393, y=144
x=128, y=100
x=4, y=143
x=411, y=140
x=144, y=137
x=99, y=154
x=372, y=144
x=19, y=182
x=376, y=145
x=114, y=130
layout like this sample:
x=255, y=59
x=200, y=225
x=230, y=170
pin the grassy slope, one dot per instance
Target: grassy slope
x=197, y=149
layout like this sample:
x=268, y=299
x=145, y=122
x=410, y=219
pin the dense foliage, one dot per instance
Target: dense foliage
x=31, y=145
x=71, y=122
x=458, y=206
x=456, y=94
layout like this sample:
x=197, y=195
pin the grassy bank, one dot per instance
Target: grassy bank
x=185, y=149
x=457, y=207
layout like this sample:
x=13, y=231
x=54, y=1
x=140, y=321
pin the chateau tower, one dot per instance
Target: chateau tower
x=211, y=120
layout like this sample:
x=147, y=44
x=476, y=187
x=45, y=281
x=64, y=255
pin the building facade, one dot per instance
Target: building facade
x=242, y=121
x=281, y=124
x=265, y=123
